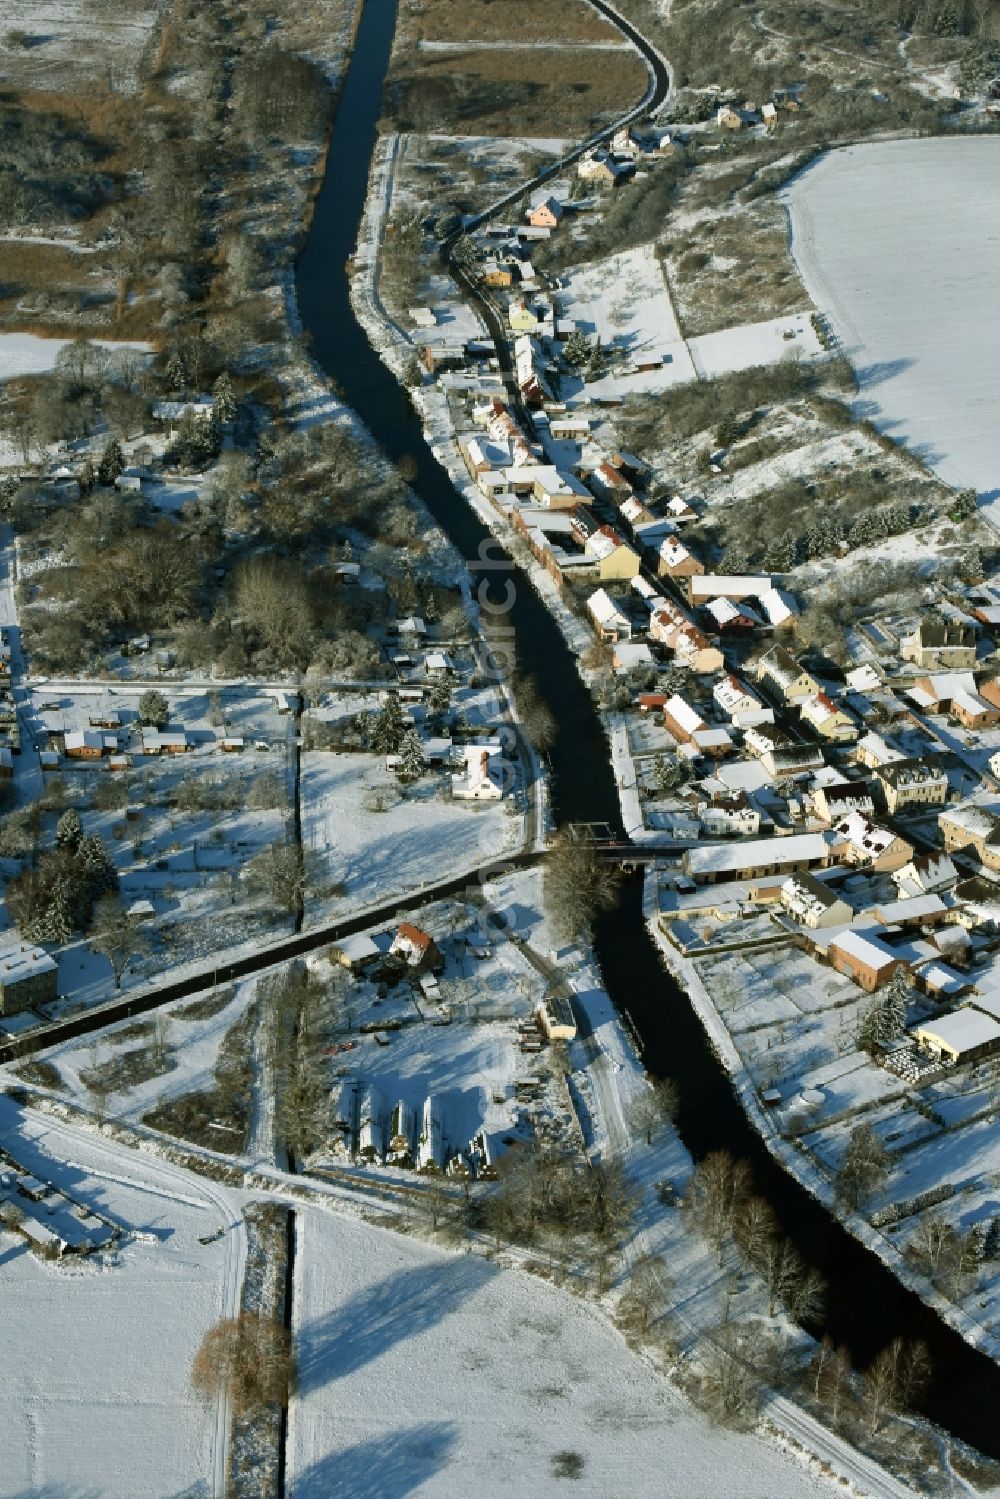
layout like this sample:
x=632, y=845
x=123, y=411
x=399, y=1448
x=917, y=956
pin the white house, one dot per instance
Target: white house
x=483, y=779
x=812, y=903
x=609, y=621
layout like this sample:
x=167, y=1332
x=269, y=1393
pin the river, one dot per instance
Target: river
x=866, y=1305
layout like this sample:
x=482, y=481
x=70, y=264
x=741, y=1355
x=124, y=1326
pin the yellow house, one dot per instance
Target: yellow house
x=620, y=562
x=829, y=721
x=780, y=670
x=520, y=317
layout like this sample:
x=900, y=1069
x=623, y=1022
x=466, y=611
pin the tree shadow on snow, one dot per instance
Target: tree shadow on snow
x=877, y=374
x=358, y=1331
x=390, y=1466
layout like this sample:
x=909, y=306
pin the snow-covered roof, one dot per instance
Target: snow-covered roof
x=781, y=666
x=875, y=747
x=604, y=609
x=712, y=738
x=643, y=587
x=777, y=605
x=863, y=678
x=963, y=1030
x=728, y=586
x=863, y=947
x=911, y=908
x=805, y=895
x=683, y=715
x=941, y=979
x=630, y=654
x=725, y=612
x=21, y=960
x=749, y=853
x=673, y=552
x=971, y=704
x=78, y=739
x=864, y=835
x=732, y=695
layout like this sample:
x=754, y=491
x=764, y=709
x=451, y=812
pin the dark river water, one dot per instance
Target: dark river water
x=866, y=1307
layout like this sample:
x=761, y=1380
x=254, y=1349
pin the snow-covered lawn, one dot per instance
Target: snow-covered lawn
x=423, y=1372
x=185, y=862
x=897, y=243
x=624, y=301
x=425, y=837
x=753, y=344
x=26, y=354
x=96, y=1356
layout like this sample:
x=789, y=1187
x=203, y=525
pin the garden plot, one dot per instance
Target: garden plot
x=475, y=169
x=26, y=354
x=800, y=1019
x=625, y=303
x=875, y=228
x=425, y=1371
x=144, y=1062
x=97, y=1355
x=181, y=828
x=372, y=837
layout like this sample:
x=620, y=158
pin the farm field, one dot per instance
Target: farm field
x=426, y=1372
x=897, y=244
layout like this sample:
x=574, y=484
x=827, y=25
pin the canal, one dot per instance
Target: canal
x=866, y=1306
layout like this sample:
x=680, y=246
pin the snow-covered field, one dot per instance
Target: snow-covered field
x=25, y=354
x=96, y=1357
x=753, y=344
x=69, y=41
x=897, y=243
x=423, y=1372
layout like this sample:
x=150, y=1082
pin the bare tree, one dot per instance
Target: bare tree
x=831, y=1374
x=438, y=1204
x=880, y=1389
x=717, y=1193
x=248, y=1358
x=647, y=1295
x=98, y=1092
x=578, y=886
x=754, y=1229
x=895, y=1379
x=537, y=718
x=283, y=874
x=864, y=1168
x=117, y=936
x=913, y=1371
x=731, y=1355
x=945, y=1256
x=652, y=1109
x=160, y=1044
x=790, y=1281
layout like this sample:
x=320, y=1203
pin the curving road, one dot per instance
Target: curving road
x=658, y=91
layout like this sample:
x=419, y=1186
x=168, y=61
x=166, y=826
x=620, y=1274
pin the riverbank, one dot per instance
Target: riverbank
x=795, y=1161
